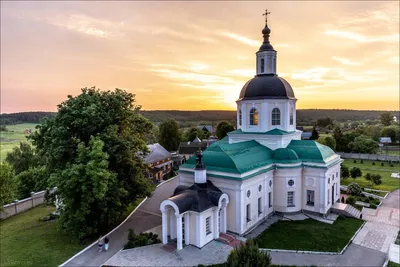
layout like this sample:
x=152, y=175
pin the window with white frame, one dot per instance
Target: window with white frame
x=290, y=199
x=208, y=225
x=240, y=117
x=269, y=200
x=276, y=116
x=248, y=213
x=291, y=116
x=253, y=116
x=259, y=206
x=310, y=197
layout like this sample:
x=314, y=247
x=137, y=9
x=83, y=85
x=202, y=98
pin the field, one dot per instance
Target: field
x=26, y=241
x=388, y=183
x=13, y=137
x=309, y=235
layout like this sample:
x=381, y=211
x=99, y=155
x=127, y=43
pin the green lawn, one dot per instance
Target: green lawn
x=13, y=137
x=388, y=183
x=393, y=264
x=25, y=241
x=309, y=235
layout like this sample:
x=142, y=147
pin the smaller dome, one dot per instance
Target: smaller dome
x=266, y=30
x=285, y=155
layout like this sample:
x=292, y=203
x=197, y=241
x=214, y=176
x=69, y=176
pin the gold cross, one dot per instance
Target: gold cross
x=266, y=15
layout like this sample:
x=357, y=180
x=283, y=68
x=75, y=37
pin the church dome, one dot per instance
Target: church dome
x=285, y=155
x=266, y=87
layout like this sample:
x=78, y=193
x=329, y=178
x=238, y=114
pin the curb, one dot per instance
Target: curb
x=95, y=242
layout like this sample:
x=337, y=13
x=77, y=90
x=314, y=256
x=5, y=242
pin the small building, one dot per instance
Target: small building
x=187, y=149
x=207, y=128
x=177, y=159
x=159, y=161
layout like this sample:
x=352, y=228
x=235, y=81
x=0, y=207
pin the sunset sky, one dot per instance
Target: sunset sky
x=197, y=55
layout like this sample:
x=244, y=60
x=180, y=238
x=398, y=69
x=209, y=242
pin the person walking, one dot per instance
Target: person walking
x=100, y=243
x=106, y=242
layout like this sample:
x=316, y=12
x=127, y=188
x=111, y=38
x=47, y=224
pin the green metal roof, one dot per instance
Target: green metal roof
x=270, y=132
x=286, y=155
x=311, y=151
x=239, y=158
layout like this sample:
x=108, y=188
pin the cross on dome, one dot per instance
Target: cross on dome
x=266, y=15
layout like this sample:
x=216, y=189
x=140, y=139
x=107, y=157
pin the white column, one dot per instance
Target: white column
x=164, y=226
x=216, y=226
x=179, y=232
x=223, y=218
x=172, y=225
x=187, y=229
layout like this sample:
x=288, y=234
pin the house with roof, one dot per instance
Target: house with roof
x=262, y=167
x=159, y=161
x=206, y=128
x=188, y=149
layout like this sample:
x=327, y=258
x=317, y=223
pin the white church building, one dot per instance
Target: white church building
x=261, y=168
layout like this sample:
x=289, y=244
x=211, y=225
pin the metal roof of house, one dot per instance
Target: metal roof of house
x=157, y=153
x=208, y=127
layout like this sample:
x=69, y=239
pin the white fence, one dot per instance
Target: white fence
x=380, y=157
x=19, y=206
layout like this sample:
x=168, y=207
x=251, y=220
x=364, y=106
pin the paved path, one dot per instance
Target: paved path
x=155, y=255
x=146, y=217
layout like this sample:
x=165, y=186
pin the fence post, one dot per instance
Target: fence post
x=32, y=194
x=15, y=205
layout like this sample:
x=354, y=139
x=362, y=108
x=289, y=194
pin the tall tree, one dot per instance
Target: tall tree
x=364, y=144
x=386, y=118
x=344, y=172
x=223, y=128
x=355, y=172
x=328, y=141
x=22, y=158
x=32, y=180
x=192, y=133
x=392, y=131
x=7, y=185
x=169, y=136
x=113, y=118
x=338, y=136
x=314, y=134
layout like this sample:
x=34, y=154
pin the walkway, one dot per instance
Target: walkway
x=155, y=255
x=146, y=217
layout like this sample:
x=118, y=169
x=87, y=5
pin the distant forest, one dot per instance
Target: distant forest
x=305, y=117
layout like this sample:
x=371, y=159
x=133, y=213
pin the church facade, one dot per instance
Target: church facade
x=261, y=168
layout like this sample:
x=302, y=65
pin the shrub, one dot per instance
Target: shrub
x=354, y=189
x=362, y=161
x=355, y=161
x=373, y=163
x=355, y=172
x=142, y=239
x=372, y=206
x=248, y=254
x=376, y=179
x=391, y=165
x=342, y=200
x=351, y=200
x=371, y=198
x=382, y=164
x=362, y=195
x=368, y=177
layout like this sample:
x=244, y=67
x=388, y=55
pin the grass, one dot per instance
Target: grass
x=393, y=264
x=26, y=241
x=13, y=137
x=309, y=235
x=388, y=183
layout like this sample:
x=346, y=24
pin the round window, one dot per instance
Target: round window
x=270, y=183
x=291, y=182
x=259, y=188
x=248, y=193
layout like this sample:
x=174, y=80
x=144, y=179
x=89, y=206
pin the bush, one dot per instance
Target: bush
x=372, y=206
x=351, y=200
x=342, y=200
x=371, y=198
x=354, y=189
x=362, y=161
x=142, y=239
x=355, y=161
x=362, y=195
x=382, y=164
x=391, y=165
x=248, y=254
x=373, y=163
x=376, y=179
x=368, y=177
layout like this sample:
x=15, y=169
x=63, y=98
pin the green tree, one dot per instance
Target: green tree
x=392, y=131
x=327, y=141
x=192, y=133
x=32, y=180
x=223, y=128
x=7, y=185
x=338, y=136
x=248, y=255
x=364, y=144
x=368, y=177
x=376, y=179
x=386, y=118
x=152, y=136
x=314, y=134
x=169, y=136
x=22, y=158
x=3, y=128
x=96, y=191
x=374, y=131
x=354, y=189
x=344, y=172
x=355, y=172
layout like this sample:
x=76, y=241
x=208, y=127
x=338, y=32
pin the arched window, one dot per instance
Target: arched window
x=291, y=116
x=276, y=117
x=262, y=66
x=240, y=117
x=253, y=116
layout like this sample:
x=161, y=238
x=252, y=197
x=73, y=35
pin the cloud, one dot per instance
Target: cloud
x=240, y=38
x=392, y=38
x=345, y=61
